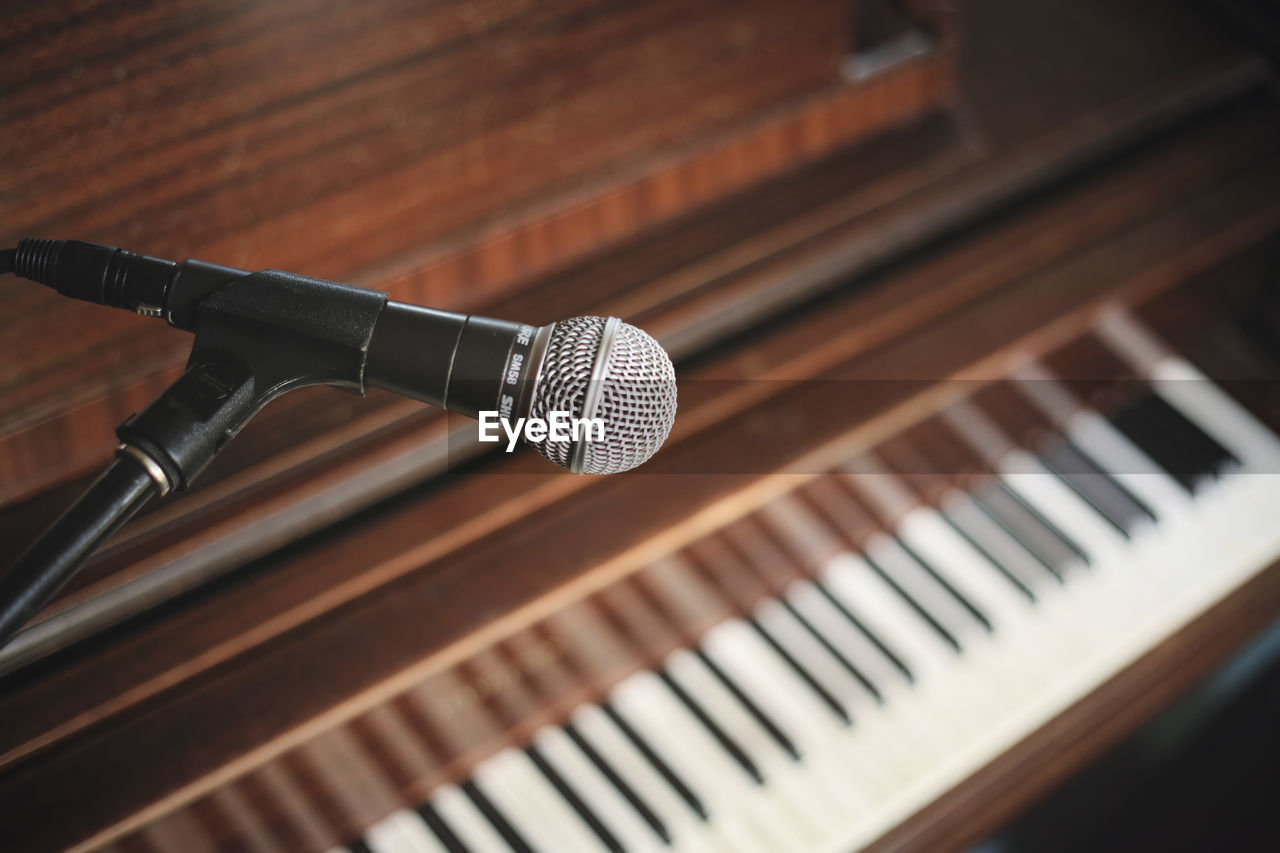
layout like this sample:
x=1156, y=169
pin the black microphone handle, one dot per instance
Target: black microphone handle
x=460, y=362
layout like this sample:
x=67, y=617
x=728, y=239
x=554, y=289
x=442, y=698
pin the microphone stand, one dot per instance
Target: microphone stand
x=258, y=335
x=112, y=500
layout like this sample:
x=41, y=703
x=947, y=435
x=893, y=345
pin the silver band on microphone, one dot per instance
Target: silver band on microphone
x=595, y=387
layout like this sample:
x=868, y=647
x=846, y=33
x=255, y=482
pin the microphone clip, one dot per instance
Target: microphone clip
x=257, y=336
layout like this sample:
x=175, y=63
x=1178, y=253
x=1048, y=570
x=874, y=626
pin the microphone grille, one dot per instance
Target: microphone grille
x=636, y=397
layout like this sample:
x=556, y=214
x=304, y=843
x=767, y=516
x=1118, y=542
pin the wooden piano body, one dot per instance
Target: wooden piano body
x=897, y=250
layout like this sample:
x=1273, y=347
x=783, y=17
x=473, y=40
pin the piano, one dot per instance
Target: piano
x=976, y=469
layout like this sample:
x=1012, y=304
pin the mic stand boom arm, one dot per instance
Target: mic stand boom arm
x=258, y=335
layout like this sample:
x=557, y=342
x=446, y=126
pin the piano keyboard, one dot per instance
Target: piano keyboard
x=823, y=668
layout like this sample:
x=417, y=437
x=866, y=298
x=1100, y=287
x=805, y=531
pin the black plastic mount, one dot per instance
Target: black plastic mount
x=257, y=336
x=260, y=334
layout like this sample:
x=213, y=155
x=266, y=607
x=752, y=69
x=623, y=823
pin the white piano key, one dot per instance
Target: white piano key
x=888, y=616
x=1052, y=614
x=688, y=832
x=902, y=719
x=1109, y=447
x=1121, y=566
x=534, y=807
x=834, y=752
x=1031, y=480
x=402, y=831
x=808, y=535
x=467, y=822
x=918, y=645
x=810, y=653
x=805, y=809
x=972, y=573
x=883, y=674
x=916, y=581
x=1012, y=555
x=596, y=790
x=885, y=752
x=1052, y=548
x=578, y=805
x=1021, y=663
x=722, y=785
x=385, y=837
x=883, y=611
x=909, y=733
x=879, y=485
x=1132, y=576
x=1039, y=486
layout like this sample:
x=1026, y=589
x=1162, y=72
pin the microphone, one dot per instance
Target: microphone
x=301, y=330
x=260, y=334
x=585, y=368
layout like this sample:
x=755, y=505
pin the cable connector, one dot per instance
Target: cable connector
x=95, y=273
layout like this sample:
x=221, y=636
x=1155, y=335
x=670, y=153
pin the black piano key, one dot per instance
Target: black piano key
x=1156, y=440
x=845, y=663
x=358, y=846
x=862, y=629
x=496, y=818
x=947, y=636
x=1004, y=571
x=1095, y=487
x=824, y=696
x=718, y=734
x=659, y=765
x=1043, y=539
x=1212, y=457
x=442, y=831
x=571, y=796
x=628, y=793
x=966, y=604
x=764, y=720
x=1179, y=447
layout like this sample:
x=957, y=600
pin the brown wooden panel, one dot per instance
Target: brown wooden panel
x=332, y=668
x=445, y=154
x=1072, y=246
x=698, y=279
x=326, y=632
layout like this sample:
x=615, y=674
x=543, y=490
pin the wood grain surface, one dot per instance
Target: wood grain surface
x=1030, y=116
x=375, y=641
x=443, y=153
x=701, y=168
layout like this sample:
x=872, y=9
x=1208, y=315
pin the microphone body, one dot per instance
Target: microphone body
x=259, y=334
x=461, y=362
